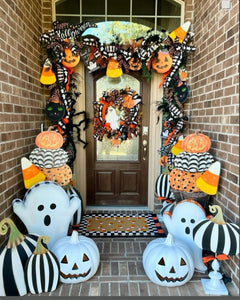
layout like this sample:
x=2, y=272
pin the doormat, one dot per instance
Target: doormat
x=120, y=225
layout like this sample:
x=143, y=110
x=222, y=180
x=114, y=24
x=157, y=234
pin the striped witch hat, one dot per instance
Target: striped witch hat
x=31, y=174
x=208, y=181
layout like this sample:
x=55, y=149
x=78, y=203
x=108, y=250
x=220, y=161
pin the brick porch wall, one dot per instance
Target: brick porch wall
x=214, y=105
x=21, y=104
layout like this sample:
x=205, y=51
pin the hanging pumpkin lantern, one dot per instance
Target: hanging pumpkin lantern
x=13, y=257
x=41, y=263
x=78, y=257
x=49, y=139
x=196, y=142
x=168, y=262
x=162, y=186
x=163, y=62
x=113, y=69
x=135, y=63
x=193, y=162
x=70, y=60
x=216, y=235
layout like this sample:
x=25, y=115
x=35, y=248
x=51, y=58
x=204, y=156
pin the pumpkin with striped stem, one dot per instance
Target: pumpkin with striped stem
x=78, y=256
x=216, y=235
x=42, y=269
x=13, y=258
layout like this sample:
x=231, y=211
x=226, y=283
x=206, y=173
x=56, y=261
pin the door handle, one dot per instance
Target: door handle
x=144, y=149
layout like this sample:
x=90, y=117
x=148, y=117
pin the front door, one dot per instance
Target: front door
x=117, y=175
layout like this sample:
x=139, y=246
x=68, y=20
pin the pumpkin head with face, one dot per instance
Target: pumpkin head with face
x=135, y=64
x=70, y=60
x=163, y=62
x=168, y=262
x=78, y=257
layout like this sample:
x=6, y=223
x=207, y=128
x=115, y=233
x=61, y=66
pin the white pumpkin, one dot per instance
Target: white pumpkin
x=78, y=256
x=168, y=262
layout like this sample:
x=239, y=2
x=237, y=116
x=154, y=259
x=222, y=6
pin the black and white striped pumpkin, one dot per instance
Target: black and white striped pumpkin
x=48, y=158
x=77, y=216
x=13, y=258
x=42, y=270
x=167, y=208
x=193, y=162
x=162, y=187
x=216, y=235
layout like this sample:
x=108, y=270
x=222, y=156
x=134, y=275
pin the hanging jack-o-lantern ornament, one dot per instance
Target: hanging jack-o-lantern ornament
x=168, y=262
x=163, y=62
x=78, y=256
x=70, y=60
x=113, y=69
x=135, y=64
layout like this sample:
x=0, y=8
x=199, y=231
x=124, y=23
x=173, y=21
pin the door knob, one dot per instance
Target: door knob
x=144, y=149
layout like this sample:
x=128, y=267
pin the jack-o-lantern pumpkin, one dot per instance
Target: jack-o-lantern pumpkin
x=196, y=142
x=70, y=60
x=163, y=62
x=168, y=262
x=49, y=139
x=78, y=257
x=135, y=64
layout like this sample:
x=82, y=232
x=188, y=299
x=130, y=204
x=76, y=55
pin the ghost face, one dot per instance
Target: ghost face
x=46, y=210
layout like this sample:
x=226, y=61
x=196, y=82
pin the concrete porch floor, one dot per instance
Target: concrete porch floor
x=121, y=273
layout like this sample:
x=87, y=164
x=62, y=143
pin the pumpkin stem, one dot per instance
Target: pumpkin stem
x=40, y=249
x=74, y=237
x=218, y=218
x=15, y=236
x=197, y=131
x=169, y=240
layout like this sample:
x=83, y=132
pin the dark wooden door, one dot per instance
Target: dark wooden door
x=114, y=181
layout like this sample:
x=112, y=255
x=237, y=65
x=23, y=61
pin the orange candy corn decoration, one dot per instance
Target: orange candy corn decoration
x=177, y=148
x=47, y=76
x=208, y=181
x=113, y=69
x=180, y=32
x=31, y=174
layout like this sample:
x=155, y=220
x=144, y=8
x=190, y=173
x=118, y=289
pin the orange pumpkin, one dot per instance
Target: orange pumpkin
x=61, y=175
x=135, y=64
x=70, y=60
x=49, y=140
x=196, y=142
x=163, y=160
x=162, y=63
x=184, y=181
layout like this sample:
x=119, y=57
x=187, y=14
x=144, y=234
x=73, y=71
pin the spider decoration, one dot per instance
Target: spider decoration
x=63, y=52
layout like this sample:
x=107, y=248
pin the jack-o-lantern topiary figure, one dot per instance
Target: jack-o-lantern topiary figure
x=163, y=62
x=168, y=262
x=78, y=257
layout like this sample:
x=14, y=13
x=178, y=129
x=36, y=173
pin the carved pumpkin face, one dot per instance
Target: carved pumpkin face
x=70, y=60
x=162, y=63
x=135, y=64
x=55, y=111
x=168, y=263
x=78, y=257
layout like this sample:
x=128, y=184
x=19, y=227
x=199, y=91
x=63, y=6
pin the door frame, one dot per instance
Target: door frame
x=154, y=144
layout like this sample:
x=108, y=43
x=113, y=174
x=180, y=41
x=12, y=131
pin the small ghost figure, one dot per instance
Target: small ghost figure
x=112, y=118
x=180, y=224
x=47, y=209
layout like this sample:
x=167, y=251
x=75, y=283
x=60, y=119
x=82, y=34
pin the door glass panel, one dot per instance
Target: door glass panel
x=128, y=150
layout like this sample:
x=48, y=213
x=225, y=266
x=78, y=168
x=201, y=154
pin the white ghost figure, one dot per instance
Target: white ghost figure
x=112, y=118
x=47, y=209
x=180, y=224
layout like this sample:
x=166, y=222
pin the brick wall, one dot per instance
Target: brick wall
x=214, y=105
x=21, y=105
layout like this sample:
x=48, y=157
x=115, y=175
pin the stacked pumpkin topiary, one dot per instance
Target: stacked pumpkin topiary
x=50, y=158
x=189, y=165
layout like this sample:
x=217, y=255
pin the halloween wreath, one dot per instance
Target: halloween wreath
x=117, y=115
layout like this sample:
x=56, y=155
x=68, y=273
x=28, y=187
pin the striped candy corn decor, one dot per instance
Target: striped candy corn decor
x=31, y=174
